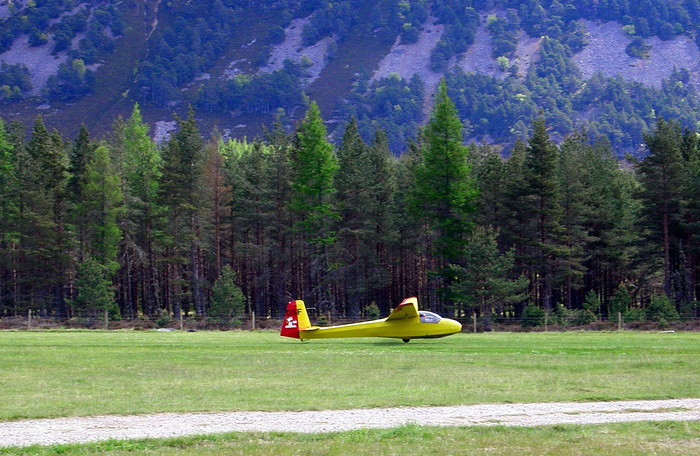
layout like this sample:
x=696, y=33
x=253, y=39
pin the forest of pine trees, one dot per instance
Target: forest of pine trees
x=140, y=229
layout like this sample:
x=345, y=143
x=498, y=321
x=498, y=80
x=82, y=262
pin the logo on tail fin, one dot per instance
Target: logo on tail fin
x=290, y=327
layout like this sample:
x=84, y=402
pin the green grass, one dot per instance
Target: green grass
x=627, y=439
x=66, y=373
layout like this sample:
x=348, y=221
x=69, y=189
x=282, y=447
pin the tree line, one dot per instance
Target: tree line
x=215, y=227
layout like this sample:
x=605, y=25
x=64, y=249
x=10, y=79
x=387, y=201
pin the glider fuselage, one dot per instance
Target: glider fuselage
x=405, y=322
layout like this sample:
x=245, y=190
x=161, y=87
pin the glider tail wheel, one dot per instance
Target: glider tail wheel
x=405, y=341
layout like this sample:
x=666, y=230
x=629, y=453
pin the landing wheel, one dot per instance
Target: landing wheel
x=405, y=341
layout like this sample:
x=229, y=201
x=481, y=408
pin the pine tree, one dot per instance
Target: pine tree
x=141, y=174
x=179, y=191
x=483, y=280
x=227, y=300
x=490, y=174
x=44, y=232
x=101, y=199
x=351, y=182
x=93, y=290
x=661, y=178
x=542, y=201
x=364, y=192
x=7, y=218
x=609, y=219
x=80, y=153
x=574, y=198
x=444, y=189
x=314, y=167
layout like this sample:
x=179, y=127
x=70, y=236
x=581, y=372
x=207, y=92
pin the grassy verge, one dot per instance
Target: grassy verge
x=627, y=439
x=65, y=373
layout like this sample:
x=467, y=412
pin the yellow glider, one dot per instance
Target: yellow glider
x=406, y=322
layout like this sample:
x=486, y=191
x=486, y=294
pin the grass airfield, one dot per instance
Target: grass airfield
x=72, y=373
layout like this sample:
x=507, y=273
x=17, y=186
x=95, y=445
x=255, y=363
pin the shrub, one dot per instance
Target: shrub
x=638, y=49
x=227, y=300
x=372, y=311
x=689, y=309
x=634, y=314
x=532, y=316
x=164, y=319
x=619, y=302
x=661, y=308
x=592, y=302
x=561, y=314
x=582, y=317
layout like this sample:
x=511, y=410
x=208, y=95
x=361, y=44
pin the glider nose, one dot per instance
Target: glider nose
x=452, y=326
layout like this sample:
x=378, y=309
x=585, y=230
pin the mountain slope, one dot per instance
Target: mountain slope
x=242, y=64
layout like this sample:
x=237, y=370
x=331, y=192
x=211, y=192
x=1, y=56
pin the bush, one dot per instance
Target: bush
x=277, y=35
x=688, y=310
x=164, y=319
x=561, y=315
x=592, y=302
x=227, y=300
x=532, y=316
x=619, y=302
x=582, y=317
x=634, y=314
x=372, y=311
x=638, y=49
x=661, y=309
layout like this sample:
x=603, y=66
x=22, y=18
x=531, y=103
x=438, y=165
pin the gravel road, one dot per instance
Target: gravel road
x=163, y=425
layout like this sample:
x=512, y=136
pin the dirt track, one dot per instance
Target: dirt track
x=91, y=429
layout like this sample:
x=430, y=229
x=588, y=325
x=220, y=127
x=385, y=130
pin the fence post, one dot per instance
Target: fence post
x=29, y=318
x=474, y=318
x=619, y=321
x=252, y=323
x=106, y=319
x=546, y=321
x=181, y=323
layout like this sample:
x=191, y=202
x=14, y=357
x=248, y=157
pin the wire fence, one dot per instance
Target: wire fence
x=473, y=323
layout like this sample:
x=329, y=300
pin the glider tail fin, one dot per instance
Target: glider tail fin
x=295, y=318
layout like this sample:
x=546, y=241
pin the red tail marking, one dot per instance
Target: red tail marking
x=290, y=324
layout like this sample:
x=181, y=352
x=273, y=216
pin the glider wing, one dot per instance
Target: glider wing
x=407, y=309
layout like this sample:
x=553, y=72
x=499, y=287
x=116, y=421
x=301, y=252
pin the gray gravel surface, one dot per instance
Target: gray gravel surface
x=163, y=425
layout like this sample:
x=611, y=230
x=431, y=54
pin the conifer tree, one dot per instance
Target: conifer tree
x=444, y=189
x=490, y=175
x=483, y=280
x=364, y=191
x=542, y=201
x=314, y=167
x=93, y=290
x=382, y=214
x=574, y=198
x=81, y=152
x=101, y=200
x=352, y=195
x=179, y=191
x=44, y=231
x=661, y=178
x=7, y=216
x=141, y=175
x=609, y=218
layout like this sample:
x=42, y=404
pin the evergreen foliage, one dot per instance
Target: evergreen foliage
x=566, y=229
x=93, y=290
x=227, y=300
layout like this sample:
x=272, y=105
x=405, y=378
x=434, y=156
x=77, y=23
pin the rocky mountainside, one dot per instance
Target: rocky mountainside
x=113, y=55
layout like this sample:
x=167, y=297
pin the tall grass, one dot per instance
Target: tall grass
x=65, y=373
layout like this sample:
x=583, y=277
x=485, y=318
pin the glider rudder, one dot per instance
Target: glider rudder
x=295, y=318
